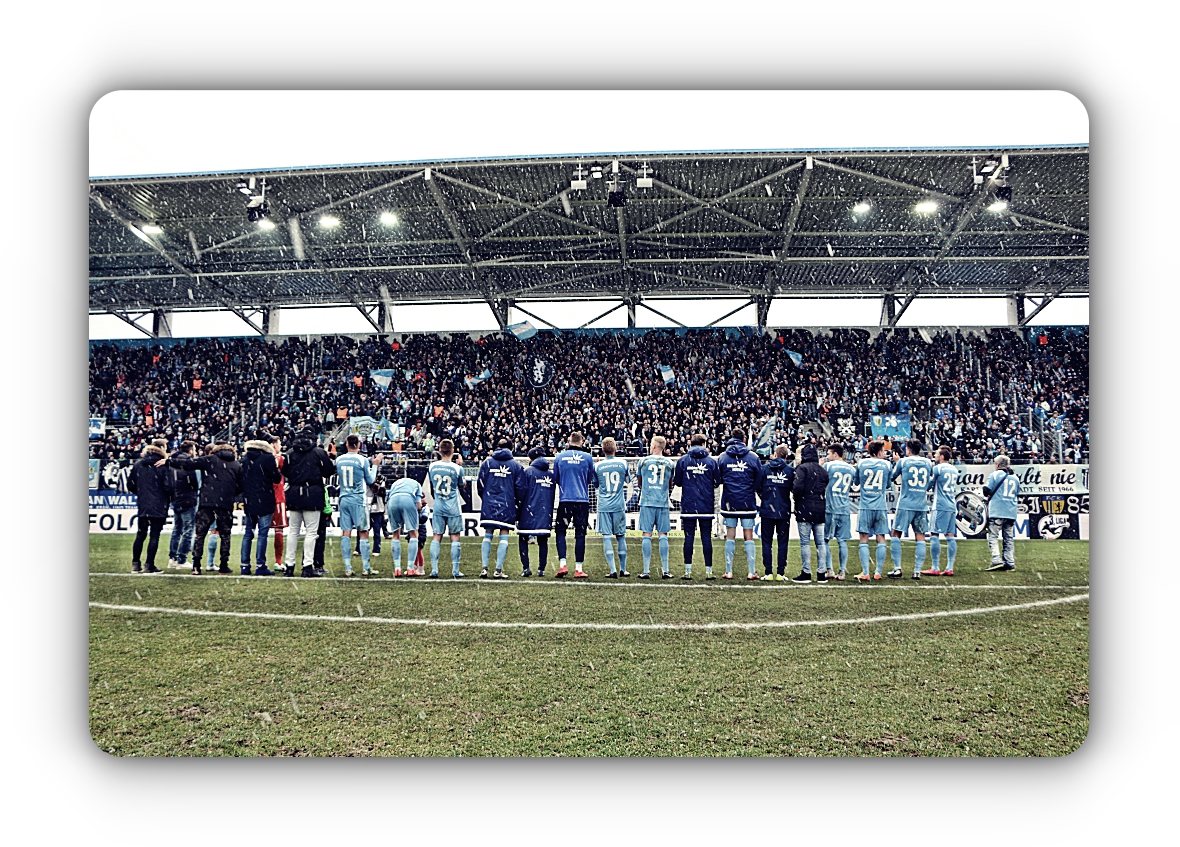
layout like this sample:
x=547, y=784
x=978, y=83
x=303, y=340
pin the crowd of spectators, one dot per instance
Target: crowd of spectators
x=982, y=392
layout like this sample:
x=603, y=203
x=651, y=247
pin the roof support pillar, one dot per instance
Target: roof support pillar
x=888, y=310
x=762, y=301
x=161, y=323
x=1016, y=310
x=500, y=307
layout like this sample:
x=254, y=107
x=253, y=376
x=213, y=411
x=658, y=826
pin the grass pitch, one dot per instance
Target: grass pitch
x=998, y=683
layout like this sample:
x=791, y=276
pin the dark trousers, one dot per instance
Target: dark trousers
x=321, y=536
x=577, y=514
x=690, y=530
x=770, y=526
x=377, y=529
x=207, y=517
x=148, y=528
x=542, y=552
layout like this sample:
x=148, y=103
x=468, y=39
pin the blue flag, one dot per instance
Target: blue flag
x=797, y=358
x=891, y=426
x=473, y=381
x=382, y=377
x=667, y=373
x=523, y=330
x=764, y=442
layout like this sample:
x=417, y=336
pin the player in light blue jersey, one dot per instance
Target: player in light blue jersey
x=355, y=473
x=917, y=477
x=611, y=476
x=838, y=517
x=946, y=477
x=445, y=481
x=402, y=509
x=872, y=475
x=655, y=480
x=1002, y=490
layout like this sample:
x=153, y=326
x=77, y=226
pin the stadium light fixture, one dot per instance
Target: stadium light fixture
x=266, y=224
x=644, y=181
x=1003, y=199
x=926, y=207
x=328, y=221
x=152, y=229
x=389, y=218
x=861, y=207
x=578, y=183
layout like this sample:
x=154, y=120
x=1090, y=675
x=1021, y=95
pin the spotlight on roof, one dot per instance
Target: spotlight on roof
x=389, y=218
x=926, y=207
x=578, y=183
x=266, y=224
x=643, y=181
x=255, y=212
x=861, y=207
x=152, y=229
x=329, y=221
x=1003, y=195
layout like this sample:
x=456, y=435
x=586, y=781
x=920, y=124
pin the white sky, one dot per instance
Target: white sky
x=147, y=132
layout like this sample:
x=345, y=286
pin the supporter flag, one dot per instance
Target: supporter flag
x=797, y=358
x=98, y=427
x=382, y=377
x=523, y=330
x=540, y=371
x=891, y=426
x=667, y=373
x=472, y=381
x=764, y=442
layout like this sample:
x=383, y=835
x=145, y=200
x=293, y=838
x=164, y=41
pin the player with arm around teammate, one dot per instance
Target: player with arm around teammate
x=698, y=478
x=838, y=517
x=355, y=473
x=573, y=468
x=740, y=470
x=537, y=490
x=655, y=480
x=498, y=485
x=611, y=476
x=403, y=507
x=1002, y=490
x=916, y=474
x=774, y=490
x=946, y=475
x=872, y=475
x=445, y=480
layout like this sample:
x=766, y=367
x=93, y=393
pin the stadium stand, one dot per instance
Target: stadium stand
x=1026, y=391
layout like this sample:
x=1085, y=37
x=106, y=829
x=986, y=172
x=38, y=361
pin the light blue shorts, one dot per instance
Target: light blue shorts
x=612, y=523
x=907, y=518
x=747, y=523
x=943, y=523
x=873, y=522
x=447, y=525
x=654, y=518
x=837, y=527
x=353, y=515
x=402, y=512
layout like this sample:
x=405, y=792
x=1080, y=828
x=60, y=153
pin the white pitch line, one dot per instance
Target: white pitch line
x=737, y=585
x=607, y=626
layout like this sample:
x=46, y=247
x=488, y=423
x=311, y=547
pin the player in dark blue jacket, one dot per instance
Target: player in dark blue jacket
x=740, y=472
x=698, y=477
x=573, y=468
x=499, y=484
x=774, y=489
x=536, y=511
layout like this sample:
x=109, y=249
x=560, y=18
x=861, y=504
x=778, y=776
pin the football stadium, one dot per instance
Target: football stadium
x=578, y=477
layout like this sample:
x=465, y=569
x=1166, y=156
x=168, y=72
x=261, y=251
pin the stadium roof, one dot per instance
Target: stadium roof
x=753, y=225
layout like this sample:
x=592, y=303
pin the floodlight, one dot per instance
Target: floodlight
x=266, y=224
x=389, y=218
x=329, y=221
x=152, y=229
x=861, y=207
x=926, y=207
x=256, y=212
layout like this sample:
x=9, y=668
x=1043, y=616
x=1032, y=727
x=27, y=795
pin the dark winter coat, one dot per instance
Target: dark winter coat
x=184, y=488
x=306, y=467
x=221, y=476
x=500, y=482
x=775, y=489
x=538, y=485
x=260, y=472
x=740, y=470
x=698, y=477
x=811, y=483
x=150, y=484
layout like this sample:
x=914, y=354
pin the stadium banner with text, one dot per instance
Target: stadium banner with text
x=892, y=426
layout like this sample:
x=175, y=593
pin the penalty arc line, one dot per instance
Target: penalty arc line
x=592, y=626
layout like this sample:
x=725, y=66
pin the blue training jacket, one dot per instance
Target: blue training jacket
x=741, y=471
x=775, y=489
x=573, y=469
x=538, y=487
x=698, y=477
x=500, y=479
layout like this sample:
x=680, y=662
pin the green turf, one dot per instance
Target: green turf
x=1010, y=683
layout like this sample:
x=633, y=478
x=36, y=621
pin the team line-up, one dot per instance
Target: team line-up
x=288, y=491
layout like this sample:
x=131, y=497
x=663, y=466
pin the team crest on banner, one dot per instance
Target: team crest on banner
x=540, y=371
x=891, y=425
